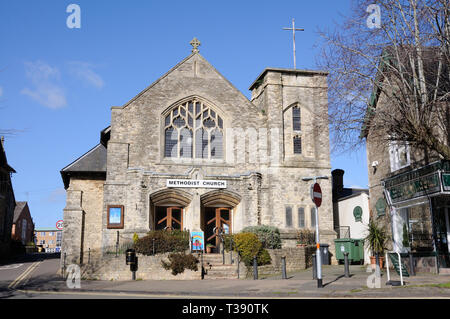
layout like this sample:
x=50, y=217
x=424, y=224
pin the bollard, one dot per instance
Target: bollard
x=314, y=266
x=64, y=266
x=223, y=252
x=201, y=261
x=117, y=244
x=283, y=267
x=89, y=256
x=411, y=265
x=346, y=266
x=255, y=269
x=238, y=262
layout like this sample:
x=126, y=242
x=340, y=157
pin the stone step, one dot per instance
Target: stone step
x=444, y=271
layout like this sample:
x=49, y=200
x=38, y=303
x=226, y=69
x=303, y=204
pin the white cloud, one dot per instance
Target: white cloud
x=84, y=72
x=46, y=89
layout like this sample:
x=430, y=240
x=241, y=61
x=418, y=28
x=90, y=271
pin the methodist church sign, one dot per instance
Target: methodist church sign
x=196, y=183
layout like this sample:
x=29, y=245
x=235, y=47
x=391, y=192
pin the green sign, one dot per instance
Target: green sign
x=446, y=182
x=417, y=187
x=381, y=206
x=357, y=212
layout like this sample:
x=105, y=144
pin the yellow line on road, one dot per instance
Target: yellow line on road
x=27, y=272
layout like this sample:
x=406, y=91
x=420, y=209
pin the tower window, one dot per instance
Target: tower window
x=296, y=119
x=297, y=145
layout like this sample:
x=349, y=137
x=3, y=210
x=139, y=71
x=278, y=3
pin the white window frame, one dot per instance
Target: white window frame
x=394, y=157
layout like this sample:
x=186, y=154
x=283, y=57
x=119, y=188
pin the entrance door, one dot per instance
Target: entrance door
x=217, y=220
x=169, y=218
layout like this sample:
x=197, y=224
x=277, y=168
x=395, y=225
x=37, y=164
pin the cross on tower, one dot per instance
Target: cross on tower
x=293, y=37
x=195, y=44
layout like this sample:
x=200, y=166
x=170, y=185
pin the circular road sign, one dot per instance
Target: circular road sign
x=316, y=194
x=59, y=224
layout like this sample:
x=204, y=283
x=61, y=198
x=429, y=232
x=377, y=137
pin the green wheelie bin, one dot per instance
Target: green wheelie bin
x=354, y=247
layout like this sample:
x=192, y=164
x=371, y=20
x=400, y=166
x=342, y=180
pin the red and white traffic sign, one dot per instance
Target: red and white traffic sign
x=59, y=224
x=316, y=194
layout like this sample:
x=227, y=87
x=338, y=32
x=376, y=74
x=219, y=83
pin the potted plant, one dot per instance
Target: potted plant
x=209, y=248
x=376, y=239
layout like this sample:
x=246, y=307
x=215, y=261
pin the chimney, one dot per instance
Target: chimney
x=337, y=182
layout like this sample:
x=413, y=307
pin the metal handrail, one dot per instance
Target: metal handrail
x=399, y=266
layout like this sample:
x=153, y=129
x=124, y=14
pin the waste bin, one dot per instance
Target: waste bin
x=353, y=246
x=325, y=254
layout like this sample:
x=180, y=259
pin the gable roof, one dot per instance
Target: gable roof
x=3, y=160
x=94, y=161
x=20, y=207
x=185, y=60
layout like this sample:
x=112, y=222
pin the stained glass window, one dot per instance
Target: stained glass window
x=183, y=139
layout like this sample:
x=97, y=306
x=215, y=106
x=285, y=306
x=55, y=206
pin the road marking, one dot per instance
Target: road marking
x=14, y=266
x=27, y=272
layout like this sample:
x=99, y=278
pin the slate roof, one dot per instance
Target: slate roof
x=350, y=192
x=3, y=160
x=94, y=161
x=18, y=210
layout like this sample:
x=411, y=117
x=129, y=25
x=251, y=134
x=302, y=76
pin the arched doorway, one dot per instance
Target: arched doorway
x=217, y=214
x=168, y=208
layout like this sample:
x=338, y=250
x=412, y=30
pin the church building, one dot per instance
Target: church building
x=192, y=152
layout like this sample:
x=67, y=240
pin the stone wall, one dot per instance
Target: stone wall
x=298, y=258
x=110, y=267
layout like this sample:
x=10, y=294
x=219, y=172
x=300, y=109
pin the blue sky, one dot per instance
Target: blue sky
x=57, y=84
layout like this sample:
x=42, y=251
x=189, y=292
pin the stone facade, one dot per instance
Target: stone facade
x=263, y=175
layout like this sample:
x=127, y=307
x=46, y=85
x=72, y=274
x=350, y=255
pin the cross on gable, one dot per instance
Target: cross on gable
x=195, y=44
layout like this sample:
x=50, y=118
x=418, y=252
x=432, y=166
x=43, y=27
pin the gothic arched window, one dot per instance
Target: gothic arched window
x=193, y=130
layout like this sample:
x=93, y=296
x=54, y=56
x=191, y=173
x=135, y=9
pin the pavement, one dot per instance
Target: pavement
x=39, y=278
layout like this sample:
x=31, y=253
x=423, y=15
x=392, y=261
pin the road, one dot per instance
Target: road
x=29, y=269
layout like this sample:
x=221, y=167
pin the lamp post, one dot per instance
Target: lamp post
x=316, y=196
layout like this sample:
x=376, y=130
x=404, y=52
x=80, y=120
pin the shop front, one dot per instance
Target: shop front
x=419, y=202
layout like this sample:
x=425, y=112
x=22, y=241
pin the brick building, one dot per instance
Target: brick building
x=49, y=238
x=192, y=152
x=23, y=226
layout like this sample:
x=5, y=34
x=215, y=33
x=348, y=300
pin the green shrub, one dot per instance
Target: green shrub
x=248, y=245
x=306, y=237
x=135, y=238
x=164, y=242
x=268, y=235
x=178, y=262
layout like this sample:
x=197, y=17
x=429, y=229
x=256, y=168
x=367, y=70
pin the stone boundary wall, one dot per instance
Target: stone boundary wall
x=297, y=258
x=110, y=267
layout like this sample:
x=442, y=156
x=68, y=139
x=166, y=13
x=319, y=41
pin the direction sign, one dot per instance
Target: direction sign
x=59, y=224
x=316, y=194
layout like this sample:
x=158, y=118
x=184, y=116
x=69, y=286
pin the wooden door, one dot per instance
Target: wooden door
x=222, y=223
x=173, y=219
